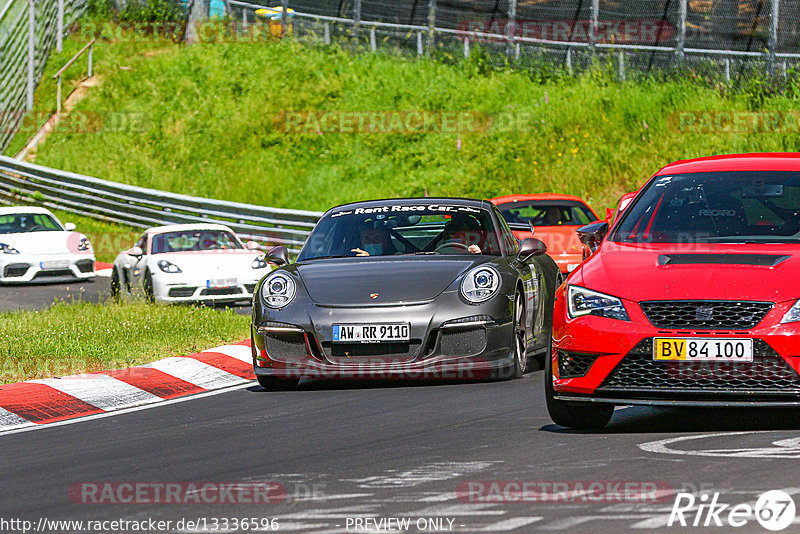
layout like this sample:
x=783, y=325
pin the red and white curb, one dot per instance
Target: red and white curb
x=39, y=402
x=103, y=269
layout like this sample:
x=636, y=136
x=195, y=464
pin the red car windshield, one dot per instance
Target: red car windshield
x=715, y=207
x=546, y=213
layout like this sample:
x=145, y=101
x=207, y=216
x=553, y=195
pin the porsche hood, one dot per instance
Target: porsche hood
x=382, y=281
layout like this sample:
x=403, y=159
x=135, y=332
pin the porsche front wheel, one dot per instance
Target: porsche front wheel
x=580, y=415
x=520, y=340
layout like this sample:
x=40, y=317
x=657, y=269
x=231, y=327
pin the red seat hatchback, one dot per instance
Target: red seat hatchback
x=691, y=299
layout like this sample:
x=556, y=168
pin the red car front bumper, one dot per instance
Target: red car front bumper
x=607, y=360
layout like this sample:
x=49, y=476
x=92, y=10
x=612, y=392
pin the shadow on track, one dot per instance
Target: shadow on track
x=657, y=420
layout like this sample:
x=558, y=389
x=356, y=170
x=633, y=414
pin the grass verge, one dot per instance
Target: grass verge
x=213, y=125
x=82, y=337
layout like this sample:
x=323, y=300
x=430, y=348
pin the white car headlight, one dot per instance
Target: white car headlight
x=8, y=249
x=480, y=284
x=168, y=267
x=793, y=315
x=260, y=262
x=278, y=290
x=582, y=301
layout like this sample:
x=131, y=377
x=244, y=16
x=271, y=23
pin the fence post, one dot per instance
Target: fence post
x=60, y=27
x=284, y=19
x=774, y=19
x=466, y=46
x=569, y=60
x=244, y=19
x=431, y=23
x=372, y=42
x=622, y=65
x=327, y=33
x=511, y=26
x=728, y=69
x=31, y=53
x=356, y=17
x=420, y=51
x=682, y=14
x=593, y=24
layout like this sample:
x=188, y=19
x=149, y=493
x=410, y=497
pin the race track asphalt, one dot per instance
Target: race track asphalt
x=346, y=450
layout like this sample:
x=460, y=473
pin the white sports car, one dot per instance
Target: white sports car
x=36, y=247
x=189, y=263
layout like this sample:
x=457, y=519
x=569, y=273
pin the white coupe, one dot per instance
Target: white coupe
x=189, y=263
x=36, y=247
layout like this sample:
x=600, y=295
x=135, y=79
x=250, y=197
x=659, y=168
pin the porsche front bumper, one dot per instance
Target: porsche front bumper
x=449, y=340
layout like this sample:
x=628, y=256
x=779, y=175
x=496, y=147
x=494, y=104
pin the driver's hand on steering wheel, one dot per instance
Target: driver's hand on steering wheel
x=475, y=249
x=360, y=252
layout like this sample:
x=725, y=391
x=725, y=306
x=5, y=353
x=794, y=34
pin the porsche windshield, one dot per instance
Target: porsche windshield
x=194, y=240
x=546, y=213
x=715, y=207
x=21, y=223
x=387, y=230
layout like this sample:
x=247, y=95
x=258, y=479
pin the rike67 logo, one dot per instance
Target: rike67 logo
x=774, y=510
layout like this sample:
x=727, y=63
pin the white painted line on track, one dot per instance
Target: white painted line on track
x=510, y=524
x=8, y=419
x=103, y=391
x=127, y=410
x=457, y=510
x=196, y=372
x=785, y=448
x=240, y=352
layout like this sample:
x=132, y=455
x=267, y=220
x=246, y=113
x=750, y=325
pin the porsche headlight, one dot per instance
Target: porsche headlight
x=278, y=290
x=480, y=284
x=84, y=244
x=8, y=249
x=260, y=262
x=582, y=301
x=793, y=315
x=168, y=267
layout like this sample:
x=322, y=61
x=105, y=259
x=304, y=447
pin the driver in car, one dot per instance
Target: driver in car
x=375, y=242
x=458, y=231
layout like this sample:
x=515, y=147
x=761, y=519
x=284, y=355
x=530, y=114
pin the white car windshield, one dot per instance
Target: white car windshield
x=21, y=223
x=194, y=240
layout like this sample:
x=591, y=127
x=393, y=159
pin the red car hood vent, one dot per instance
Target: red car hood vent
x=761, y=260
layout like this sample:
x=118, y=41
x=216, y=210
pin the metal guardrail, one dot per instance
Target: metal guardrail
x=25, y=183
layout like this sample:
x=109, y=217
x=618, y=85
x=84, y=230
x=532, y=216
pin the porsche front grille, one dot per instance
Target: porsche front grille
x=705, y=314
x=767, y=373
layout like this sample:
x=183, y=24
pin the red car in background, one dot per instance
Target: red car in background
x=554, y=219
x=690, y=300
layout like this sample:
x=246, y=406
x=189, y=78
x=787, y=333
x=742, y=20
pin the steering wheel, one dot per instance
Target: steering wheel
x=452, y=244
x=37, y=228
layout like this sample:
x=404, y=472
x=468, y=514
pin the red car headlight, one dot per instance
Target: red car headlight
x=582, y=301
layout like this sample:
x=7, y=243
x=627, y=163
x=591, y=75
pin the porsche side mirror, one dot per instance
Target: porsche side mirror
x=252, y=245
x=530, y=247
x=593, y=234
x=70, y=227
x=278, y=255
x=136, y=252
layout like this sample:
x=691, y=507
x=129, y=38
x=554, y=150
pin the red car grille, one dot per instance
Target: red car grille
x=705, y=314
x=768, y=373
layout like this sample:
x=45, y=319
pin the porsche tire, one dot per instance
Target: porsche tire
x=273, y=383
x=520, y=341
x=147, y=285
x=578, y=415
x=115, y=284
